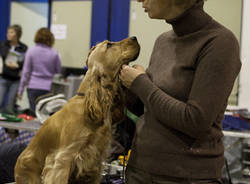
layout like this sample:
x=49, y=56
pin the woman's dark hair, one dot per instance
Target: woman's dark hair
x=44, y=36
x=18, y=30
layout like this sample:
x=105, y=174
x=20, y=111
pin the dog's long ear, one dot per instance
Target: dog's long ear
x=98, y=99
x=92, y=104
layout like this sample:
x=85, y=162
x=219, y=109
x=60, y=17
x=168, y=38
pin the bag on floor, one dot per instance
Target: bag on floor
x=48, y=104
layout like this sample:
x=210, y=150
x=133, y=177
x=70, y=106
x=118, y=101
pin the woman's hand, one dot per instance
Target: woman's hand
x=19, y=96
x=128, y=74
x=12, y=65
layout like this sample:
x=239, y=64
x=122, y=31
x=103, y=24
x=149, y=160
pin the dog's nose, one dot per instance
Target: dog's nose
x=133, y=38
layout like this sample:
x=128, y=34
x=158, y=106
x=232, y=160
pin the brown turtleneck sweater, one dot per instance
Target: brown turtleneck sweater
x=185, y=91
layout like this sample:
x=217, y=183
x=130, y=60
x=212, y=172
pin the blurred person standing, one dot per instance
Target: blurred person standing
x=12, y=53
x=41, y=63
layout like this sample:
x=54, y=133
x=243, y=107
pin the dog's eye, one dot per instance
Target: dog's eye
x=109, y=45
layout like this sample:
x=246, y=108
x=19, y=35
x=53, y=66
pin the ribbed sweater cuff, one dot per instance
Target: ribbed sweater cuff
x=143, y=87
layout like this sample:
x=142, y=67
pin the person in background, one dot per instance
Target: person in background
x=41, y=63
x=8, y=156
x=12, y=52
x=185, y=91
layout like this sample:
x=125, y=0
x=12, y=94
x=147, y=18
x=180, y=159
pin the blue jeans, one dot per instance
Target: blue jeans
x=32, y=95
x=8, y=157
x=8, y=94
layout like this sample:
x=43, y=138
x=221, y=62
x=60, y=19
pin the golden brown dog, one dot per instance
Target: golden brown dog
x=75, y=139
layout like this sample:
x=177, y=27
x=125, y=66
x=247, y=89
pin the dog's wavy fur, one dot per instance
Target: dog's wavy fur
x=73, y=142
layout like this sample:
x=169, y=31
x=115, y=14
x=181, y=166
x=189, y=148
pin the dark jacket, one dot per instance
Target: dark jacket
x=8, y=73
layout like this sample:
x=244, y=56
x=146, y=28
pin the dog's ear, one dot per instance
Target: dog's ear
x=98, y=99
x=92, y=104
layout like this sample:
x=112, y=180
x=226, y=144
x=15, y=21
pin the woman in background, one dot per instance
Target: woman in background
x=12, y=52
x=41, y=63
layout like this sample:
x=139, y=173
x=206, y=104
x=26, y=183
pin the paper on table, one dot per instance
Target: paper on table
x=12, y=58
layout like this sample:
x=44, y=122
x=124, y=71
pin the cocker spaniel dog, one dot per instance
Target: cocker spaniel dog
x=73, y=142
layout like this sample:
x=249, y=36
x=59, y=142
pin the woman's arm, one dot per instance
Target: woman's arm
x=27, y=69
x=58, y=68
x=218, y=66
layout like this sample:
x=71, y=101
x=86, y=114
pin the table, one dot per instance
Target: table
x=31, y=125
x=239, y=134
x=237, y=178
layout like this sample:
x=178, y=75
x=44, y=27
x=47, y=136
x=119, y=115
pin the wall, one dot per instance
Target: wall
x=31, y=16
x=244, y=87
x=76, y=16
x=227, y=12
x=146, y=30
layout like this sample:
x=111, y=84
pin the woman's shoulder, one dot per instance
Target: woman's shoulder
x=39, y=48
x=220, y=32
x=21, y=47
x=224, y=39
x=165, y=35
x=32, y=49
x=1, y=42
x=4, y=43
x=54, y=51
x=51, y=51
x=21, y=44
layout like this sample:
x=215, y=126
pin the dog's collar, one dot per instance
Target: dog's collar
x=80, y=94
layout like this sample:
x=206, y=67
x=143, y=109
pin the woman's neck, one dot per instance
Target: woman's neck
x=179, y=8
x=13, y=42
x=190, y=21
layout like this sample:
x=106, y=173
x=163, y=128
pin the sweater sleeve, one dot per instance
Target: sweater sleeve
x=217, y=68
x=27, y=69
x=58, y=67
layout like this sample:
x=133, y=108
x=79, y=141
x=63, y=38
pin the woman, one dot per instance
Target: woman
x=12, y=52
x=41, y=63
x=184, y=91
